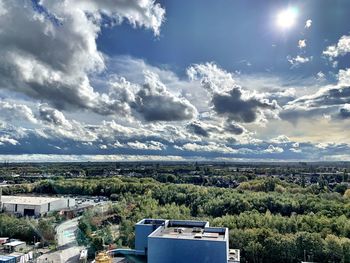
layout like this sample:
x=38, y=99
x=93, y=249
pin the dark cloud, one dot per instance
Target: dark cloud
x=232, y=105
x=326, y=97
x=344, y=113
x=154, y=103
x=234, y=128
x=162, y=108
x=198, y=129
x=52, y=116
x=326, y=101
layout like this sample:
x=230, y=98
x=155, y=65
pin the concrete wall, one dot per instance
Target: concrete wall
x=143, y=229
x=11, y=208
x=141, y=236
x=171, y=250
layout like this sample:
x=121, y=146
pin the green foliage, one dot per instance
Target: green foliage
x=269, y=220
x=20, y=228
x=46, y=231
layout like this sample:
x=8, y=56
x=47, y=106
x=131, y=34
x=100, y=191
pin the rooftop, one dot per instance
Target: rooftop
x=27, y=200
x=14, y=243
x=198, y=230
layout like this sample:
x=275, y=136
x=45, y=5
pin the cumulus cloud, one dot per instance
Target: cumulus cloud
x=15, y=111
x=154, y=103
x=210, y=147
x=234, y=128
x=212, y=78
x=199, y=128
x=149, y=145
x=235, y=106
x=48, y=49
x=229, y=99
x=273, y=149
x=344, y=112
x=298, y=60
x=339, y=49
x=325, y=102
x=6, y=139
x=308, y=23
x=281, y=139
x=143, y=13
x=302, y=43
x=53, y=116
x=330, y=96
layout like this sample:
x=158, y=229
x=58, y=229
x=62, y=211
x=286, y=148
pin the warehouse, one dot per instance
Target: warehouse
x=32, y=205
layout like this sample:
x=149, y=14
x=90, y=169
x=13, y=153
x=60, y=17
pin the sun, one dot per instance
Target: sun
x=287, y=18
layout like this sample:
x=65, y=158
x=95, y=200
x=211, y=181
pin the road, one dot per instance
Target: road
x=68, y=249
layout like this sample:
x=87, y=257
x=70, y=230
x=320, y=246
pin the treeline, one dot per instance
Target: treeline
x=339, y=226
x=260, y=245
x=206, y=201
x=268, y=225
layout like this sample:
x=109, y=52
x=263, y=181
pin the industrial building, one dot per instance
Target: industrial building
x=175, y=241
x=33, y=205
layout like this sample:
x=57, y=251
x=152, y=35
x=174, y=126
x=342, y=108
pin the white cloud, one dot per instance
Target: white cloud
x=4, y=139
x=210, y=147
x=302, y=43
x=308, y=23
x=298, y=60
x=273, y=149
x=344, y=77
x=150, y=145
x=49, y=53
x=281, y=139
x=339, y=49
x=14, y=111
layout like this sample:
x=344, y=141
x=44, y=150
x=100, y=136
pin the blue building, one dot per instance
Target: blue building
x=181, y=241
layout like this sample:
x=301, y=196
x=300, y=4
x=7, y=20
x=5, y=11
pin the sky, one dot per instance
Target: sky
x=185, y=80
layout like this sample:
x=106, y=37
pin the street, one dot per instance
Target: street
x=68, y=249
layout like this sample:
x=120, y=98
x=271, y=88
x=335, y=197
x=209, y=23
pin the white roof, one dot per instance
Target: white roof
x=27, y=200
x=14, y=243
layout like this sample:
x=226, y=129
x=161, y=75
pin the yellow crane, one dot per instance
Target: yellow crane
x=103, y=257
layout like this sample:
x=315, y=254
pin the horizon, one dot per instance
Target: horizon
x=184, y=81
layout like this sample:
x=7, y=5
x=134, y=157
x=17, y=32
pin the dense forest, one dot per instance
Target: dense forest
x=269, y=220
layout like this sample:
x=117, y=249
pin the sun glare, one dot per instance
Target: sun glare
x=287, y=18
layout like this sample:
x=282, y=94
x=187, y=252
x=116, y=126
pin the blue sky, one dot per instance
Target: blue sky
x=174, y=80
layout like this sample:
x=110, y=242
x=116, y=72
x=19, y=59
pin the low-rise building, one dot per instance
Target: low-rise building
x=3, y=240
x=15, y=246
x=33, y=205
x=7, y=259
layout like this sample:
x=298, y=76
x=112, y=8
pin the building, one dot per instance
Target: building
x=7, y=259
x=175, y=241
x=3, y=240
x=14, y=246
x=32, y=205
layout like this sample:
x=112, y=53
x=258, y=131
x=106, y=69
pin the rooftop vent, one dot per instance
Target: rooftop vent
x=179, y=230
x=198, y=235
x=197, y=230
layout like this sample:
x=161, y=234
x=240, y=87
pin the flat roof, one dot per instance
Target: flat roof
x=189, y=233
x=14, y=243
x=27, y=200
x=2, y=257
